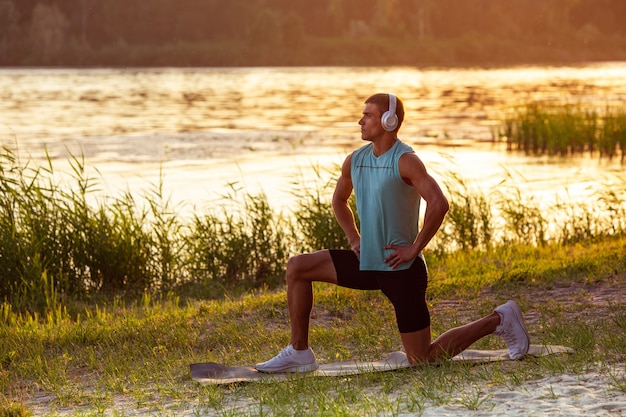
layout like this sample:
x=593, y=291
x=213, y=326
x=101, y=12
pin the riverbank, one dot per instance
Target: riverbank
x=132, y=358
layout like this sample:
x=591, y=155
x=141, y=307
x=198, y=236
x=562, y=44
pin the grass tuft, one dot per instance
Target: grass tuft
x=564, y=130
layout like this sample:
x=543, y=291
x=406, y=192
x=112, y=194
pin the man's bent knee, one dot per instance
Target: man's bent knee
x=293, y=268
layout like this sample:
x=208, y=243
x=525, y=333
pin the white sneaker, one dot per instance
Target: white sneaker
x=289, y=360
x=512, y=329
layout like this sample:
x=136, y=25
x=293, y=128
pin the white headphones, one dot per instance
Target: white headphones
x=389, y=120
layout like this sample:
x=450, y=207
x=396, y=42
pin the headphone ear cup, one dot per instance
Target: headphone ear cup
x=389, y=121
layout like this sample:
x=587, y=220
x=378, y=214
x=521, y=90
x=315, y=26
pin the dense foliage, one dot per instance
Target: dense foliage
x=54, y=245
x=309, y=32
x=567, y=130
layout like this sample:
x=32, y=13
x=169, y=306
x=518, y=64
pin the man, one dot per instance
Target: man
x=388, y=180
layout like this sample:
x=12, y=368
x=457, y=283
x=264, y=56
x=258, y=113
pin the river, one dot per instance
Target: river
x=206, y=131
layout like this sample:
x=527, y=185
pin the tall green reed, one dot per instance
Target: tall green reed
x=56, y=243
x=604, y=215
x=468, y=224
x=51, y=235
x=32, y=233
x=239, y=245
x=612, y=134
x=314, y=220
x=552, y=129
x=522, y=216
x=166, y=247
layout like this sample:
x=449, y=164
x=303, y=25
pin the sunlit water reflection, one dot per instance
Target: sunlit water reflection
x=263, y=128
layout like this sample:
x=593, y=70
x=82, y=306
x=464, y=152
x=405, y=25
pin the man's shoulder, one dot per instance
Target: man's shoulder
x=360, y=152
x=404, y=147
x=364, y=148
x=410, y=164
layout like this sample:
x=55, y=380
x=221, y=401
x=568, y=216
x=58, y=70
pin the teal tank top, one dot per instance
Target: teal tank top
x=388, y=208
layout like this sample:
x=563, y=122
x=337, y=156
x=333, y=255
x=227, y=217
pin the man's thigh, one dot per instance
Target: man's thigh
x=314, y=266
x=406, y=290
x=348, y=272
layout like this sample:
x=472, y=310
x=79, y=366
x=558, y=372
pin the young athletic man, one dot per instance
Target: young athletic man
x=388, y=180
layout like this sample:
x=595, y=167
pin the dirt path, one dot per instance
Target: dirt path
x=580, y=298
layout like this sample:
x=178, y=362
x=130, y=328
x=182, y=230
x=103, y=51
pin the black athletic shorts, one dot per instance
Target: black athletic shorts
x=406, y=289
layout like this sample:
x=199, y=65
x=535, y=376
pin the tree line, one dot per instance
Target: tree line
x=309, y=32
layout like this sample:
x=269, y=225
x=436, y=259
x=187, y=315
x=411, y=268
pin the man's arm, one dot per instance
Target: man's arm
x=343, y=213
x=414, y=173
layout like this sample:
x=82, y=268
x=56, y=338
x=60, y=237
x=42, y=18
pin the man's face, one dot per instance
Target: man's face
x=371, y=127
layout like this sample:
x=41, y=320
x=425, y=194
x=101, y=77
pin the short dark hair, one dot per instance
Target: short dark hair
x=381, y=100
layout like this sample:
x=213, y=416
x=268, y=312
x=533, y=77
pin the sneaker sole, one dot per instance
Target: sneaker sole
x=291, y=369
x=517, y=312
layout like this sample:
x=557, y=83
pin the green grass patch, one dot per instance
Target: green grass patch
x=140, y=351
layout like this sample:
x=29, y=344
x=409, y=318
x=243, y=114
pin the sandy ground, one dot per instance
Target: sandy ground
x=590, y=394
